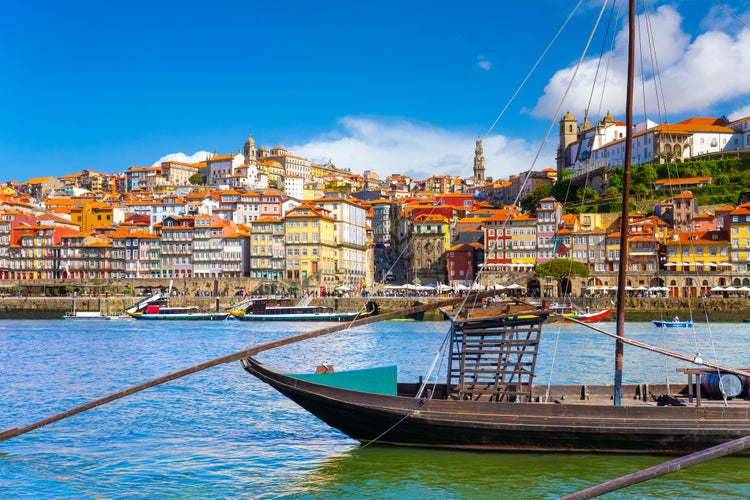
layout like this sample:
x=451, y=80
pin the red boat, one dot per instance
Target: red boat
x=588, y=317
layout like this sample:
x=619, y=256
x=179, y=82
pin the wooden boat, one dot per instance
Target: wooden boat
x=673, y=324
x=156, y=313
x=260, y=311
x=489, y=401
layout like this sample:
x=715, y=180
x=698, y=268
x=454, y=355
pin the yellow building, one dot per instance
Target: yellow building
x=310, y=247
x=698, y=251
x=522, y=242
x=91, y=214
x=739, y=234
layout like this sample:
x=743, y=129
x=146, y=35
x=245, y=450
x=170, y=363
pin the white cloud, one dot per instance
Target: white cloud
x=483, y=63
x=696, y=74
x=196, y=157
x=419, y=150
x=738, y=113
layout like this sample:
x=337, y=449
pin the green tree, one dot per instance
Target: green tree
x=561, y=268
x=617, y=179
x=530, y=202
x=645, y=174
x=196, y=179
x=612, y=192
x=587, y=194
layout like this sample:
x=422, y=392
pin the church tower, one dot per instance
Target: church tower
x=568, y=135
x=249, y=151
x=479, y=161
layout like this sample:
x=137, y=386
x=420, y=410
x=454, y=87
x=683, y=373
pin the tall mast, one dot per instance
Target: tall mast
x=623, y=264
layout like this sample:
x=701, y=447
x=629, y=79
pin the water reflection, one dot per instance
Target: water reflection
x=387, y=472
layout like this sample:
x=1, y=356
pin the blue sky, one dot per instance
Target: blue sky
x=398, y=87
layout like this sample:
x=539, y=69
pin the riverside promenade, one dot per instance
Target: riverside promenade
x=637, y=309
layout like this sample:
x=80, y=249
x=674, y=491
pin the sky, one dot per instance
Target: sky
x=390, y=86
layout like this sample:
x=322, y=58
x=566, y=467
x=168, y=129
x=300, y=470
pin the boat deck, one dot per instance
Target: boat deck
x=632, y=395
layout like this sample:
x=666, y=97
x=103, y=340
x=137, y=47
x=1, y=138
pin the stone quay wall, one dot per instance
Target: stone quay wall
x=637, y=309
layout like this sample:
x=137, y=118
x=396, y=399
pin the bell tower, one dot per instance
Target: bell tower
x=568, y=135
x=479, y=161
x=249, y=151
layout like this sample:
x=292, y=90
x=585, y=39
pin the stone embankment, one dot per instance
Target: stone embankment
x=637, y=309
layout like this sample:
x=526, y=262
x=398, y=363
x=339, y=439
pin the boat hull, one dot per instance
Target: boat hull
x=464, y=424
x=181, y=317
x=589, y=317
x=300, y=317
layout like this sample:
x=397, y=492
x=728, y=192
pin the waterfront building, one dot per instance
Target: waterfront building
x=209, y=247
x=523, y=241
x=267, y=245
x=9, y=239
x=497, y=241
x=462, y=262
x=310, y=247
x=86, y=256
x=549, y=217
x=429, y=241
x=176, y=236
x=234, y=256
x=350, y=238
x=738, y=222
x=697, y=252
x=135, y=253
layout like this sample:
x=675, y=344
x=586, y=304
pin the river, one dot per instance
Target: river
x=221, y=433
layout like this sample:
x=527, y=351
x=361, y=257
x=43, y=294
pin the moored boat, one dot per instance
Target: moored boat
x=260, y=311
x=155, y=312
x=567, y=311
x=83, y=315
x=675, y=323
x=489, y=402
x=589, y=317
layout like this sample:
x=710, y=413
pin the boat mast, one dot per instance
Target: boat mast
x=623, y=263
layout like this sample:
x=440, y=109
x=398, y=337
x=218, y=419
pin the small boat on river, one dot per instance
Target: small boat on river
x=84, y=315
x=567, y=311
x=675, y=323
